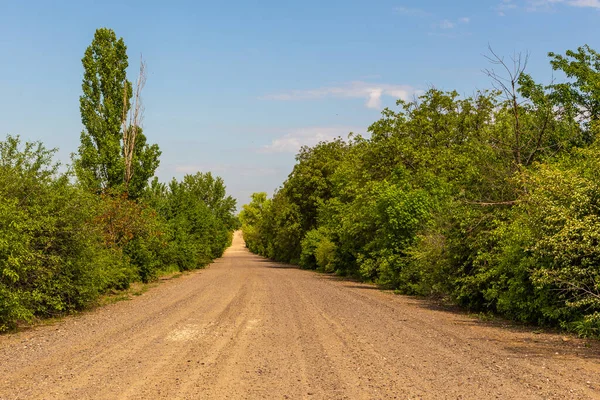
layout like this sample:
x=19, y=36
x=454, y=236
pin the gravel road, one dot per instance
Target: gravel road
x=248, y=328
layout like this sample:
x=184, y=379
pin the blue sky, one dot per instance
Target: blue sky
x=236, y=87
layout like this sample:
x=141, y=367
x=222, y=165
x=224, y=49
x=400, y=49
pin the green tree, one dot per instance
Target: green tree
x=199, y=218
x=580, y=97
x=252, y=217
x=104, y=104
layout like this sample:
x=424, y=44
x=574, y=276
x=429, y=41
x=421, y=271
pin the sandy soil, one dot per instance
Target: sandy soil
x=248, y=328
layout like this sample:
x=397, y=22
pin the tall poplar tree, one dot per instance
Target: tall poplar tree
x=105, y=101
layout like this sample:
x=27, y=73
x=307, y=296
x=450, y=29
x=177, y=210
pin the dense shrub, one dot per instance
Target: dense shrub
x=318, y=251
x=52, y=256
x=198, y=215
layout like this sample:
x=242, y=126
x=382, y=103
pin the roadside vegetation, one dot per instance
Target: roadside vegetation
x=69, y=235
x=492, y=200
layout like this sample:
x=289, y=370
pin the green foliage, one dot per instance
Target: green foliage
x=135, y=229
x=252, y=218
x=492, y=200
x=580, y=97
x=52, y=257
x=309, y=184
x=106, y=99
x=399, y=213
x=325, y=255
x=317, y=250
x=198, y=215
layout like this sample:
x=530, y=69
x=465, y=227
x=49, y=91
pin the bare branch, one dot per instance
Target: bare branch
x=130, y=128
x=508, y=84
x=494, y=203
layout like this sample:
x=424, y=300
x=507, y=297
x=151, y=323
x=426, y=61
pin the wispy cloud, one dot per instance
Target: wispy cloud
x=444, y=24
x=451, y=24
x=371, y=92
x=505, y=6
x=543, y=5
x=293, y=140
x=536, y=4
x=243, y=170
x=585, y=3
x=410, y=11
x=449, y=34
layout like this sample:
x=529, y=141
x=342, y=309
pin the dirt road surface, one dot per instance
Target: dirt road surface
x=248, y=328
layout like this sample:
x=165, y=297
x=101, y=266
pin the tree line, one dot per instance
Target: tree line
x=492, y=200
x=69, y=236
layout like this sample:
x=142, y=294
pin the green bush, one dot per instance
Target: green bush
x=198, y=216
x=318, y=251
x=52, y=257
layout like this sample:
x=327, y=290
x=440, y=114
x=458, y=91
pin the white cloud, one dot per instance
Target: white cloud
x=444, y=24
x=545, y=5
x=450, y=34
x=371, y=92
x=504, y=6
x=448, y=24
x=582, y=3
x=413, y=12
x=292, y=141
x=541, y=5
